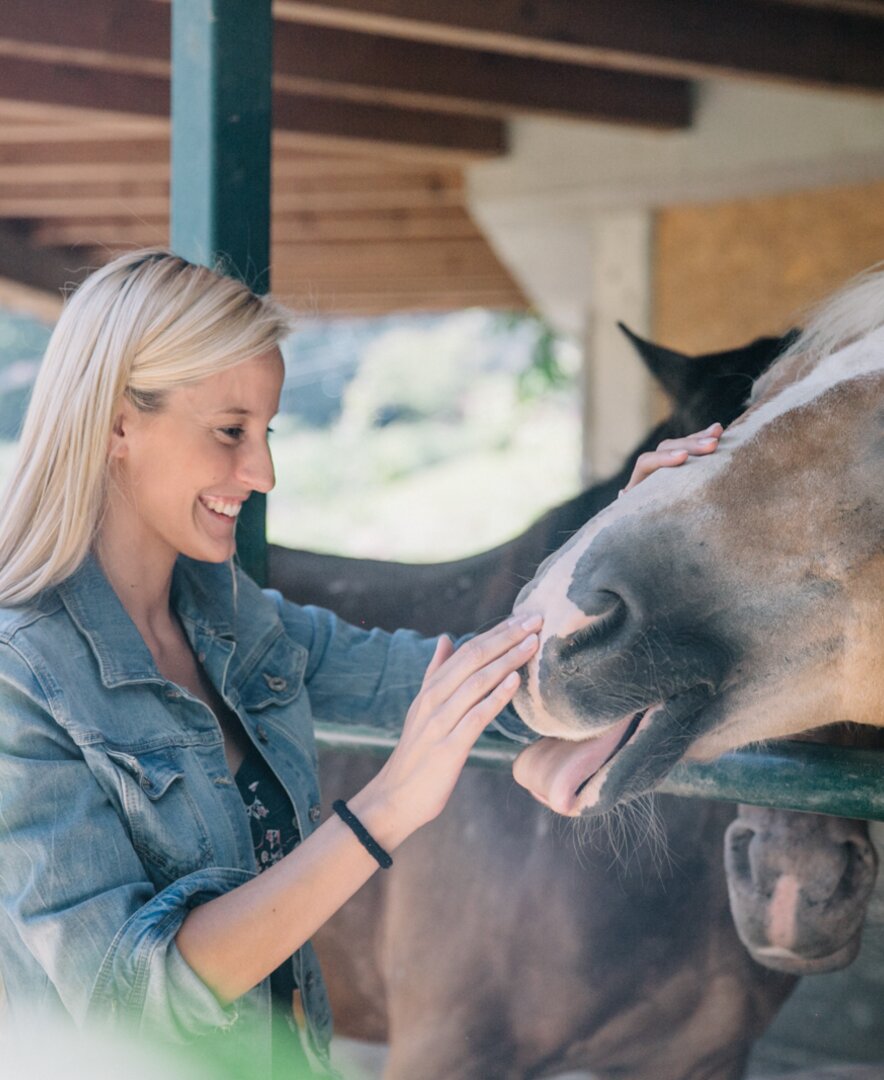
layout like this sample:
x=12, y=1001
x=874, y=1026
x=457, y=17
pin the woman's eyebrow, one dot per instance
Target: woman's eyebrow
x=233, y=410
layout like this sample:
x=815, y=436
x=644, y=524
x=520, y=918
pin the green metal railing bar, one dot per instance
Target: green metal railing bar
x=840, y=781
x=221, y=127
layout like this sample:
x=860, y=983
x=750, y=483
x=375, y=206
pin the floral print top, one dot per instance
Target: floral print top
x=270, y=812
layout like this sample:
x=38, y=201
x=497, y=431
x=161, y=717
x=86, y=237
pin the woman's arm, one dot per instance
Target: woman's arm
x=236, y=940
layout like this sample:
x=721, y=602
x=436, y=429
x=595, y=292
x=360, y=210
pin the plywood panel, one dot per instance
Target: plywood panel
x=727, y=272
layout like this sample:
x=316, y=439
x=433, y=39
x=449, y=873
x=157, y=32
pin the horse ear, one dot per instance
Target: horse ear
x=672, y=370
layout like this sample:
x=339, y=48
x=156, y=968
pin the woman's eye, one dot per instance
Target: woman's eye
x=233, y=433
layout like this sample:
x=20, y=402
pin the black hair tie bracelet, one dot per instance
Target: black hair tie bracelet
x=384, y=860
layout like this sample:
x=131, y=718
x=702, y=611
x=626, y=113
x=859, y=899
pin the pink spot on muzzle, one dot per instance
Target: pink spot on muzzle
x=782, y=913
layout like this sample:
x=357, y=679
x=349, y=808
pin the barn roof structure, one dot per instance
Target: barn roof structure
x=379, y=109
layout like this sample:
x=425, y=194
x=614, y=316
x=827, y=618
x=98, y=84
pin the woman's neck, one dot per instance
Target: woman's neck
x=141, y=576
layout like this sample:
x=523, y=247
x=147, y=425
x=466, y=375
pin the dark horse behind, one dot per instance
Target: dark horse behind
x=502, y=947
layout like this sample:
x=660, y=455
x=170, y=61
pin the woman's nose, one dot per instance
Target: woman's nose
x=256, y=469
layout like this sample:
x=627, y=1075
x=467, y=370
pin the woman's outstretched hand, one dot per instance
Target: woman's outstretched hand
x=462, y=692
x=674, y=452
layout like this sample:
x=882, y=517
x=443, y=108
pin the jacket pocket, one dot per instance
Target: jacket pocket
x=277, y=706
x=277, y=676
x=162, y=815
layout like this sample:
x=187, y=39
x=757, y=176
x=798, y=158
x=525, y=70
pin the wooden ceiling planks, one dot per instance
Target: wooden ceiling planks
x=827, y=44
x=132, y=37
x=378, y=104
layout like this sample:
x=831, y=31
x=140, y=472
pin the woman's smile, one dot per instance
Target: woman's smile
x=222, y=508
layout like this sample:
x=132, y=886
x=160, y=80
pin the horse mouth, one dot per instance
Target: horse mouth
x=630, y=729
x=559, y=772
x=577, y=777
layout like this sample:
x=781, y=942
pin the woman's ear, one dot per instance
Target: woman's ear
x=118, y=442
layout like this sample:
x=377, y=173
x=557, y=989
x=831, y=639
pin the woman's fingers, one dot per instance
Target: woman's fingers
x=478, y=653
x=673, y=452
x=444, y=650
x=482, y=713
x=485, y=683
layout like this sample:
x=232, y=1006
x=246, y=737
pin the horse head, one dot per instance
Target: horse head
x=735, y=599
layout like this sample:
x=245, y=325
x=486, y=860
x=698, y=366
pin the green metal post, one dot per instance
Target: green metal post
x=221, y=126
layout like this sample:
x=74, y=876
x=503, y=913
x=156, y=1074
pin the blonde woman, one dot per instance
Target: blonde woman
x=161, y=855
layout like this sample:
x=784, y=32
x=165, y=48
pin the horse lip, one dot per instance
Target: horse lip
x=794, y=963
x=624, y=739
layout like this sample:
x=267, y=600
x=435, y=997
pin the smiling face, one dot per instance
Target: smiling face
x=180, y=474
x=735, y=599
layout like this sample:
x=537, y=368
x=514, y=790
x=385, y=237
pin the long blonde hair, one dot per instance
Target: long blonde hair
x=145, y=323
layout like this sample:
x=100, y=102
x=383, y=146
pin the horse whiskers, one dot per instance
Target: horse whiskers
x=632, y=833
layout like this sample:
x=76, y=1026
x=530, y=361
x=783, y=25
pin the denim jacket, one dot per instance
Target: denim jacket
x=117, y=809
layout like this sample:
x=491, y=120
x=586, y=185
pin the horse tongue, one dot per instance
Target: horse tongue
x=554, y=770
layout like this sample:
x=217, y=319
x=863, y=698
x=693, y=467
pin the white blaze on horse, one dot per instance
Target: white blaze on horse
x=738, y=598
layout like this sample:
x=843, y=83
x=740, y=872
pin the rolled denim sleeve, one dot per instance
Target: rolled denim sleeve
x=75, y=890
x=371, y=677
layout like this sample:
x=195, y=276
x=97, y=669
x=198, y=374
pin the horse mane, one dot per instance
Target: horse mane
x=852, y=313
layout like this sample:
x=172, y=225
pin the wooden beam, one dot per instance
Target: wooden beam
x=396, y=191
x=397, y=265
x=686, y=38
x=874, y=8
x=444, y=223
x=68, y=128
x=122, y=234
x=116, y=35
x=132, y=36
x=116, y=93
x=102, y=172
x=148, y=157
x=473, y=136
x=436, y=184
x=76, y=190
x=341, y=264
x=385, y=70
x=86, y=150
x=331, y=303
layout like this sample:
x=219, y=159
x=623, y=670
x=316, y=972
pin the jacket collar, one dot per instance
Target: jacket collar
x=202, y=595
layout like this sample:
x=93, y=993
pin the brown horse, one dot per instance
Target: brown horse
x=636, y=980
x=737, y=599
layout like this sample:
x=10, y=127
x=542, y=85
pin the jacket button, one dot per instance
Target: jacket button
x=146, y=783
x=201, y=656
x=315, y=812
x=261, y=732
x=275, y=682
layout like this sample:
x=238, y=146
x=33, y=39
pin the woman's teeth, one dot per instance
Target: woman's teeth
x=228, y=509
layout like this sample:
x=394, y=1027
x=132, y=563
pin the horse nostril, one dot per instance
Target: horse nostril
x=736, y=852
x=607, y=612
x=860, y=869
x=600, y=602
